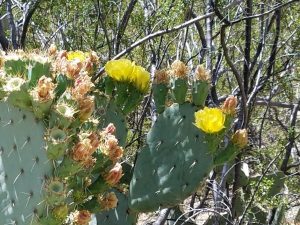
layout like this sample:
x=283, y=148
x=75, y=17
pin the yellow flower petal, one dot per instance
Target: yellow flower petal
x=81, y=56
x=140, y=78
x=119, y=70
x=210, y=120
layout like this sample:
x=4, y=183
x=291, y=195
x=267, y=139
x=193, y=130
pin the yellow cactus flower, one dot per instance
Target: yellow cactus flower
x=141, y=78
x=123, y=70
x=119, y=70
x=210, y=120
x=79, y=55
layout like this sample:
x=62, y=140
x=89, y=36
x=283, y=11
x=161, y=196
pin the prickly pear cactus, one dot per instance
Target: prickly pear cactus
x=183, y=145
x=172, y=163
x=54, y=157
x=24, y=166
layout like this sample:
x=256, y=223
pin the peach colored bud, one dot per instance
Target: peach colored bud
x=52, y=49
x=108, y=201
x=114, y=175
x=82, y=150
x=161, y=77
x=73, y=68
x=111, y=129
x=202, y=74
x=94, y=140
x=179, y=69
x=45, y=88
x=240, y=138
x=82, y=86
x=229, y=105
x=82, y=217
x=86, y=108
x=115, y=153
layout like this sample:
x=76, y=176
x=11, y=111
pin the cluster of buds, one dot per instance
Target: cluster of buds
x=82, y=152
x=107, y=201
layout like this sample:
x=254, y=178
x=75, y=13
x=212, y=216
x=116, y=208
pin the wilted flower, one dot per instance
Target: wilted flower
x=210, y=120
x=94, y=141
x=73, y=68
x=202, y=74
x=86, y=107
x=82, y=150
x=179, y=69
x=240, y=138
x=108, y=201
x=115, y=153
x=82, y=217
x=229, y=105
x=45, y=89
x=89, y=162
x=114, y=175
x=82, y=86
x=161, y=77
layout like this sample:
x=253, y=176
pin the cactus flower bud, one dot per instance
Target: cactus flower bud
x=110, y=129
x=82, y=217
x=240, y=138
x=179, y=69
x=229, y=105
x=86, y=107
x=108, y=201
x=114, y=175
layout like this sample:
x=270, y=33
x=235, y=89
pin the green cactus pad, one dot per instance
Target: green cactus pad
x=24, y=166
x=172, y=164
x=121, y=215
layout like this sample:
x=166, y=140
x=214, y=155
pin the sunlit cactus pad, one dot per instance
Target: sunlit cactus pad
x=172, y=164
x=24, y=165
